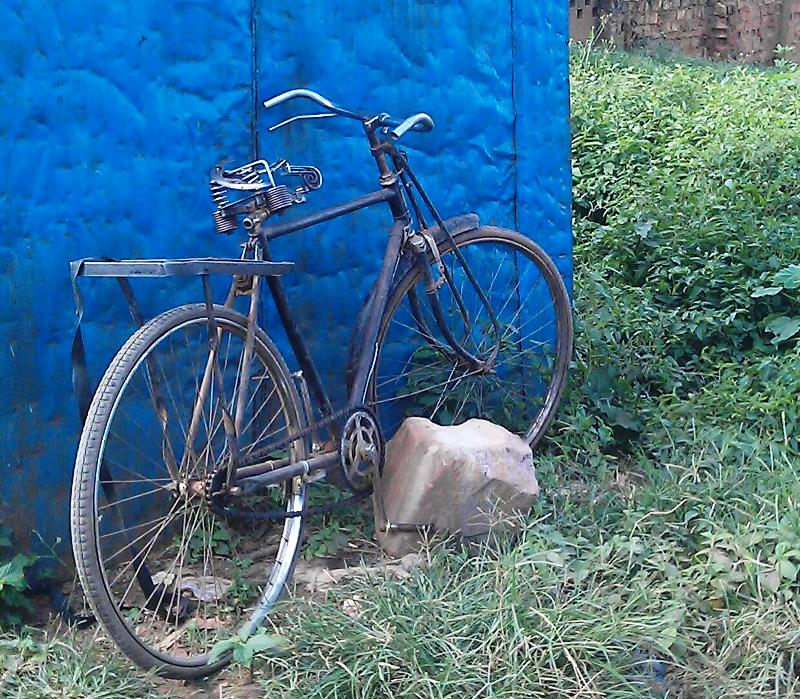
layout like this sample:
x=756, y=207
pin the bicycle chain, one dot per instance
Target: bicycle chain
x=257, y=455
x=282, y=515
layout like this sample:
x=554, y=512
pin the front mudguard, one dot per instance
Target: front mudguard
x=455, y=226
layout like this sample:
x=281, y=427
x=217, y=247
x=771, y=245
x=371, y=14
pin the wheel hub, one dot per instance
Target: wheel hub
x=189, y=487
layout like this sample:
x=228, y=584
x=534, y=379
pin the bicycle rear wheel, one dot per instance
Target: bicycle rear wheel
x=415, y=373
x=166, y=576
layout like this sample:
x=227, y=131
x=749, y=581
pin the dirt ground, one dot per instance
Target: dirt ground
x=312, y=578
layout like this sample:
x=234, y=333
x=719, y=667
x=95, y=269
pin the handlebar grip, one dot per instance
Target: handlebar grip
x=299, y=92
x=417, y=122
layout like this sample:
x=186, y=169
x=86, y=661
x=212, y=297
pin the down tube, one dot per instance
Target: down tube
x=368, y=354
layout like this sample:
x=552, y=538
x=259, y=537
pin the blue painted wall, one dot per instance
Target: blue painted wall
x=111, y=115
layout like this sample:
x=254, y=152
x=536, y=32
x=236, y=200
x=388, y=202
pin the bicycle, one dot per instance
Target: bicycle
x=199, y=445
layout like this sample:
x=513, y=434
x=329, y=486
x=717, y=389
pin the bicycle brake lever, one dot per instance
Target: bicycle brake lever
x=300, y=117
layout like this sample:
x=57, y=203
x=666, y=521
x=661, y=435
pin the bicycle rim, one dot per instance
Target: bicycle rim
x=417, y=375
x=166, y=576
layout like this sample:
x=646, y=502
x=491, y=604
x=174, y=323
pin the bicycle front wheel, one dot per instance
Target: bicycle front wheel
x=165, y=574
x=520, y=388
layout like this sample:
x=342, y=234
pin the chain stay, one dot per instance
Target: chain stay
x=259, y=454
x=281, y=515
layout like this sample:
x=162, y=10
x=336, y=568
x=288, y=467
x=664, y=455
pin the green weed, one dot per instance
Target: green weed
x=243, y=649
x=33, y=664
x=329, y=533
x=13, y=585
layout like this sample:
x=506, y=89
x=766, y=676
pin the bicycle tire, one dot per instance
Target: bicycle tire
x=86, y=487
x=562, y=317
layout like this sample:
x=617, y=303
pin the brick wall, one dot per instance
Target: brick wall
x=754, y=29
x=744, y=30
x=791, y=24
x=680, y=24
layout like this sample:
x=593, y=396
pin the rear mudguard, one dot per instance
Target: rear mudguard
x=455, y=226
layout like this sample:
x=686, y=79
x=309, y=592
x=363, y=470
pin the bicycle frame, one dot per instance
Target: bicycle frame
x=398, y=182
x=389, y=195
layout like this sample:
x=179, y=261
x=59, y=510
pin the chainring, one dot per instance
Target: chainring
x=361, y=449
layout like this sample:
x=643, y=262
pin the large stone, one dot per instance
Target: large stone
x=453, y=480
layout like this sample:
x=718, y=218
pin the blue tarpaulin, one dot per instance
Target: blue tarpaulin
x=112, y=115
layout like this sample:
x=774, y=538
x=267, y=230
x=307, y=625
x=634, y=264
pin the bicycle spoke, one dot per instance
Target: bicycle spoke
x=143, y=555
x=129, y=544
x=413, y=377
x=142, y=479
x=166, y=557
x=129, y=529
x=167, y=572
x=441, y=396
x=162, y=489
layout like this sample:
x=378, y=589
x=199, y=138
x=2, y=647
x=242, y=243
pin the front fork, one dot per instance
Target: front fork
x=426, y=253
x=424, y=244
x=421, y=246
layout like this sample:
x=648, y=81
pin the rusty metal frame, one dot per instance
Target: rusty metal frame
x=398, y=184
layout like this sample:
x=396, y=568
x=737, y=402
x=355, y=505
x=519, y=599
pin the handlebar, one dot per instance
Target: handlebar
x=421, y=122
x=294, y=94
x=314, y=97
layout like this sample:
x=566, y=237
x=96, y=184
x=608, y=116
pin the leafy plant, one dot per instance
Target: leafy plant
x=326, y=540
x=245, y=648
x=686, y=196
x=785, y=286
x=329, y=533
x=782, y=57
x=220, y=539
x=242, y=590
x=13, y=585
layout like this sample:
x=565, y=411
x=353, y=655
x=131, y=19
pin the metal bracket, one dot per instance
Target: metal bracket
x=400, y=527
x=406, y=528
x=437, y=257
x=310, y=176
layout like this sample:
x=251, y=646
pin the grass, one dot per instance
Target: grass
x=653, y=583
x=663, y=557
x=39, y=665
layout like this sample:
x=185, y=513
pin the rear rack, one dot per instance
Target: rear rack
x=178, y=268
